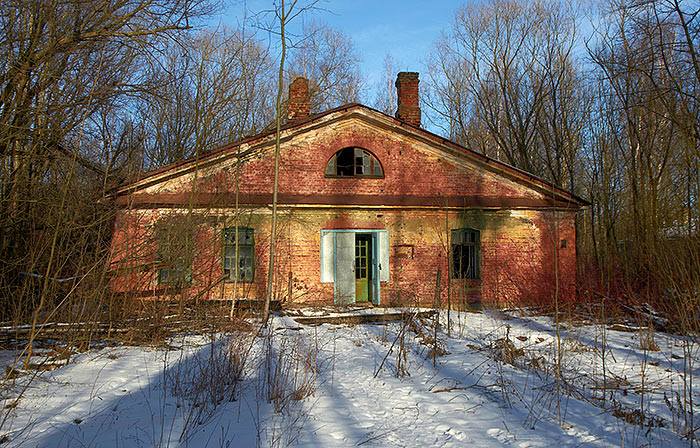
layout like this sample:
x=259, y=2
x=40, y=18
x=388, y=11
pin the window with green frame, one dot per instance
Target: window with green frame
x=466, y=253
x=175, y=252
x=244, y=266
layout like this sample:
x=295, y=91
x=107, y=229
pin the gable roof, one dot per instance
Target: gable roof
x=312, y=122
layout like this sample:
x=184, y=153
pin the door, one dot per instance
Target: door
x=344, y=267
x=343, y=252
x=363, y=264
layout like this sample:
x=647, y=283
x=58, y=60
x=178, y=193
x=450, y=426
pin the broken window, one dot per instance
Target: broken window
x=466, y=253
x=354, y=162
x=175, y=241
x=242, y=266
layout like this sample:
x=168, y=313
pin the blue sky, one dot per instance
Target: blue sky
x=404, y=29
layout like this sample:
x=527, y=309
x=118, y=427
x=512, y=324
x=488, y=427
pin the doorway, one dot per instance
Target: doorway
x=363, y=262
x=356, y=262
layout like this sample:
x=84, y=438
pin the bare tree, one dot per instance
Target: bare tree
x=502, y=80
x=385, y=100
x=211, y=90
x=644, y=162
x=329, y=60
x=649, y=138
x=63, y=63
x=282, y=17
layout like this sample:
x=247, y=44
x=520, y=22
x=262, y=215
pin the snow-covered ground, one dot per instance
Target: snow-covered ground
x=494, y=383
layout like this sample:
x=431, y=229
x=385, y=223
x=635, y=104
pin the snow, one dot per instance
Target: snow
x=494, y=384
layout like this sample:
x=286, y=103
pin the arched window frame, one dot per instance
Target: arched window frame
x=373, y=166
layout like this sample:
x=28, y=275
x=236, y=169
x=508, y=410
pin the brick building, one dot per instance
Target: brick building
x=371, y=207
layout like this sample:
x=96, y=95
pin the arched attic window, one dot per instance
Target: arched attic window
x=354, y=162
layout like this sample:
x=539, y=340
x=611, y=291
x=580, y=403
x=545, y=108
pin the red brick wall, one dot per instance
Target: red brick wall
x=518, y=246
x=517, y=255
x=410, y=170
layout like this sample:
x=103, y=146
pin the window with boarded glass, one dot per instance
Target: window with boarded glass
x=243, y=266
x=354, y=162
x=466, y=253
x=175, y=252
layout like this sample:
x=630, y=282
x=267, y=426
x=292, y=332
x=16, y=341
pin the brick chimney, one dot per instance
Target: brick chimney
x=407, y=98
x=299, y=104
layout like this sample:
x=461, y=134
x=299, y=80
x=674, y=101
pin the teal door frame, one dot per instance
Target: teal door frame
x=364, y=271
x=376, y=266
x=376, y=260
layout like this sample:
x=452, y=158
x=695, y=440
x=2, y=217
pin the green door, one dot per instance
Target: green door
x=363, y=257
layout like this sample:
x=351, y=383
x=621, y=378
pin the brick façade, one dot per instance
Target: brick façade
x=430, y=186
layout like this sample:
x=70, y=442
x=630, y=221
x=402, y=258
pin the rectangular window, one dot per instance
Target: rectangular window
x=244, y=266
x=175, y=252
x=466, y=253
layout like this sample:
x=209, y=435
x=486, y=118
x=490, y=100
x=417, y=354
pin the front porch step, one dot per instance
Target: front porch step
x=256, y=305
x=360, y=318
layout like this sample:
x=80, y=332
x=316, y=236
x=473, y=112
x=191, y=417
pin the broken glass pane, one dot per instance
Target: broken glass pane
x=353, y=162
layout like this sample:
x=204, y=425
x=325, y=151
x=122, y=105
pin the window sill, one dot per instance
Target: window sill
x=467, y=280
x=175, y=285
x=362, y=176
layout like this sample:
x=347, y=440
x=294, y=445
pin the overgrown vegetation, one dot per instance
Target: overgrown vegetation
x=93, y=93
